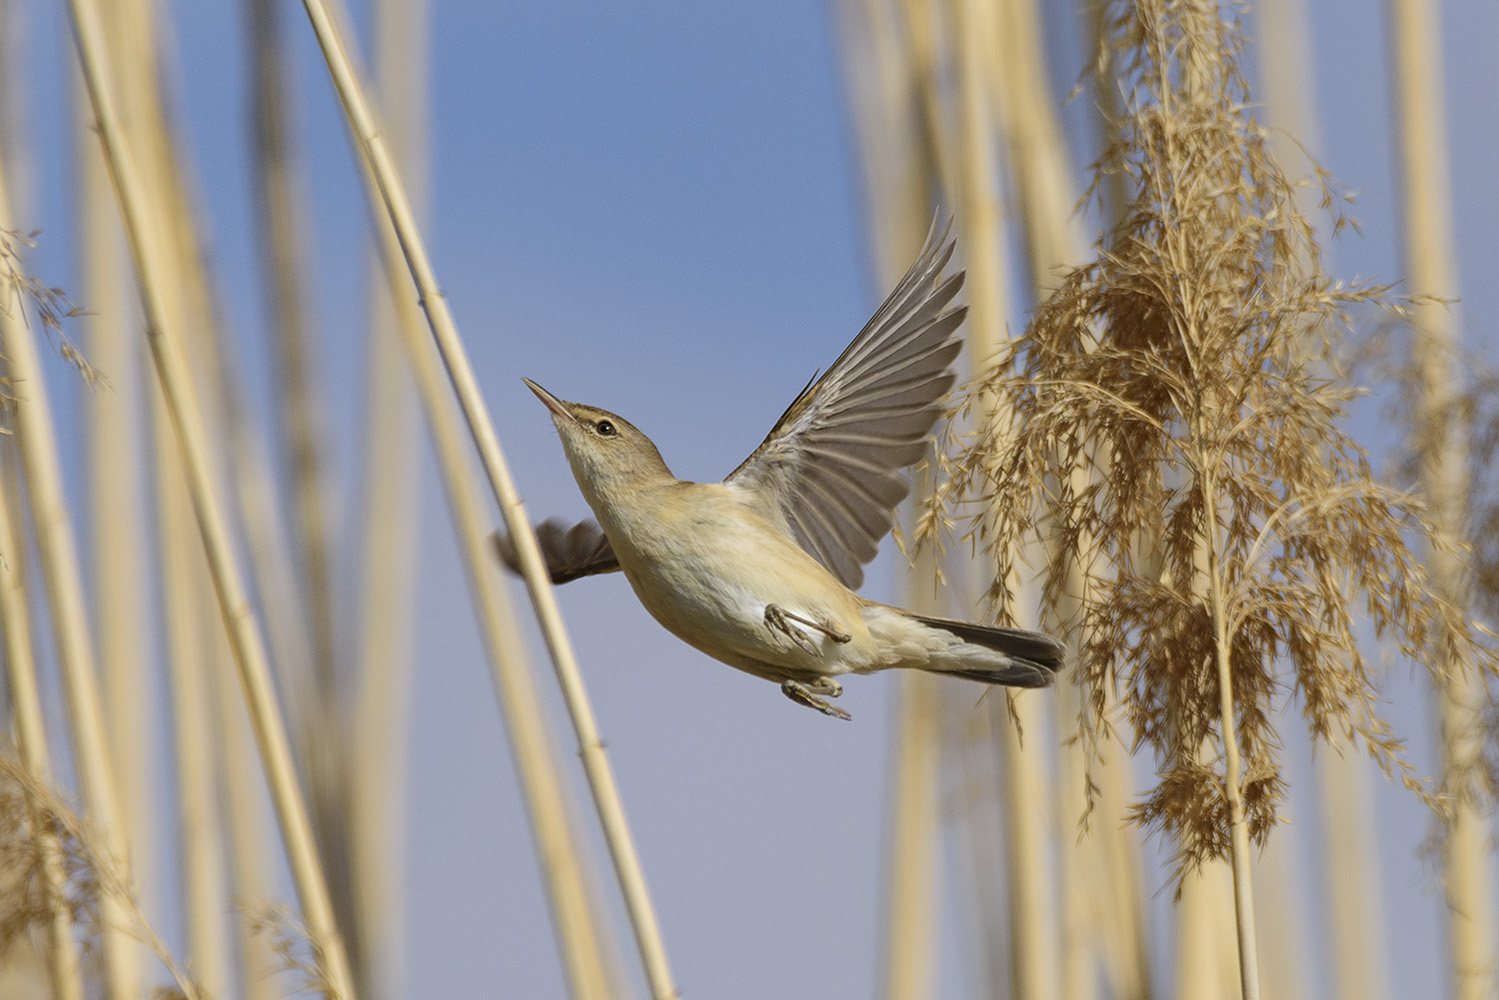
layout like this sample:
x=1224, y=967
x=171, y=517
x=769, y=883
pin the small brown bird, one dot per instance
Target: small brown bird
x=758, y=571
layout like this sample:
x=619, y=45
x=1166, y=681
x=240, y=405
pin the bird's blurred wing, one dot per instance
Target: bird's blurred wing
x=582, y=550
x=830, y=469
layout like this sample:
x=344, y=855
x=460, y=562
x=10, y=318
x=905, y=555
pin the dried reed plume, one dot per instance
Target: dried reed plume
x=31, y=810
x=19, y=290
x=1172, y=412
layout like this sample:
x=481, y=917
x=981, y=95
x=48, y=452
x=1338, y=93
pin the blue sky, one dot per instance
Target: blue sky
x=659, y=211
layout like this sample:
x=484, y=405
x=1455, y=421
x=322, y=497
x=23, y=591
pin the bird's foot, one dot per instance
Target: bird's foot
x=778, y=619
x=806, y=694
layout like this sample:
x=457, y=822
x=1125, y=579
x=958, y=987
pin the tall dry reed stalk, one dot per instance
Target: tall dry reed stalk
x=587, y=951
x=36, y=437
x=376, y=157
x=44, y=865
x=1182, y=369
x=887, y=59
x=388, y=534
x=1441, y=453
x=1350, y=831
x=166, y=341
x=300, y=452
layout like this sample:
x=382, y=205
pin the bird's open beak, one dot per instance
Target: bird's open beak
x=554, y=404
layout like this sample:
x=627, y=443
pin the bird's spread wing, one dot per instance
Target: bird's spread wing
x=830, y=469
x=581, y=550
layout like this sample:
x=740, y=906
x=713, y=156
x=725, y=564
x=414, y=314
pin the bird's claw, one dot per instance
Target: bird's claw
x=778, y=619
x=802, y=694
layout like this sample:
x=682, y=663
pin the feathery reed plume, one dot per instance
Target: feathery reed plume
x=92, y=875
x=1183, y=369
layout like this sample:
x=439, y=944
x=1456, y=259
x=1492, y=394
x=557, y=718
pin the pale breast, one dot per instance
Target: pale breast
x=706, y=567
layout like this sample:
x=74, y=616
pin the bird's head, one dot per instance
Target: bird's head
x=608, y=454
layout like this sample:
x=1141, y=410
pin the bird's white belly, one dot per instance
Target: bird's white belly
x=714, y=593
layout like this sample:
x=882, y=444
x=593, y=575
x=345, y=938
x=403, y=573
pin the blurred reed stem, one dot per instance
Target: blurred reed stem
x=374, y=152
x=116, y=509
x=898, y=160
x=391, y=492
x=281, y=208
x=1031, y=882
x=199, y=854
x=251, y=858
x=25, y=700
x=166, y=343
x=1431, y=262
x=1350, y=833
x=577, y=913
x=36, y=440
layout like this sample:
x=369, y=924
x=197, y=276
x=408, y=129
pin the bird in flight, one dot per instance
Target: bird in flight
x=759, y=571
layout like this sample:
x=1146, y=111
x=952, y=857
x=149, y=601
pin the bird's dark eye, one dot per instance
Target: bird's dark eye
x=605, y=428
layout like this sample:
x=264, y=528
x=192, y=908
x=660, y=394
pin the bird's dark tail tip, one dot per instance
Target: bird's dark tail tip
x=1028, y=659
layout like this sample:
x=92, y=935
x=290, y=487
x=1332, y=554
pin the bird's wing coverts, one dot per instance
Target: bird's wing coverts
x=830, y=468
x=582, y=550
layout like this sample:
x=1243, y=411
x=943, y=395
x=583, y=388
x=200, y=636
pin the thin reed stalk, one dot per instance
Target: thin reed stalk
x=116, y=505
x=300, y=449
x=199, y=832
x=898, y=169
x=251, y=857
x=391, y=521
x=61, y=575
x=244, y=635
x=1035, y=957
x=1431, y=261
x=1216, y=598
x=586, y=949
x=1350, y=838
x=31, y=739
x=281, y=208
x=374, y=152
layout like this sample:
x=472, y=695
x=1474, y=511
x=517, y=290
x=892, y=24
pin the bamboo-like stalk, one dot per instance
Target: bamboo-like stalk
x=577, y=915
x=282, y=207
x=895, y=162
x=200, y=855
x=596, y=766
x=1204, y=935
x=1282, y=925
x=301, y=451
x=250, y=855
x=244, y=635
x=116, y=504
x=392, y=498
x=30, y=731
x=576, y=912
x=1350, y=834
x=1432, y=266
x=977, y=815
x=1034, y=955
x=36, y=438
x=913, y=888
x=1354, y=891
x=1216, y=600
x=898, y=155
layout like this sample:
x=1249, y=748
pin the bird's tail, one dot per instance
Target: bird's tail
x=988, y=653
